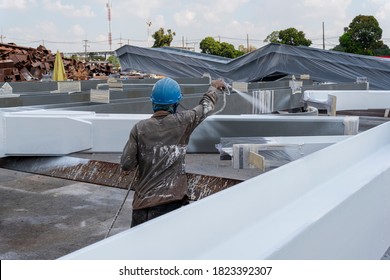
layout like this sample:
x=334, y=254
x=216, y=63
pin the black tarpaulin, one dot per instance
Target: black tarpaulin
x=267, y=63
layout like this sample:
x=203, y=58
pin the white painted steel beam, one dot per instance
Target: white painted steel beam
x=56, y=132
x=275, y=151
x=111, y=131
x=351, y=99
x=331, y=204
x=209, y=132
x=44, y=133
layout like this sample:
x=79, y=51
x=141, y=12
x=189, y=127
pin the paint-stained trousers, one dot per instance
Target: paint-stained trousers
x=140, y=216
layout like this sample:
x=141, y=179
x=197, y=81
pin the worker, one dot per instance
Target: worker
x=158, y=145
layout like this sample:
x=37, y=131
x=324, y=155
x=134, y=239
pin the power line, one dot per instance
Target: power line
x=330, y=41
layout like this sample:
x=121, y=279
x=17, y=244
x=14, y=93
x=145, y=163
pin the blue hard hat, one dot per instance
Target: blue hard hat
x=166, y=91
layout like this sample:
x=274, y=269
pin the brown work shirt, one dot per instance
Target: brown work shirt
x=158, y=146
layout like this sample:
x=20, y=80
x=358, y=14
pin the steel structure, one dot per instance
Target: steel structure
x=132, y=96
x=350, y=99
x=327, y=205
x=57, y=132
x=323, y=206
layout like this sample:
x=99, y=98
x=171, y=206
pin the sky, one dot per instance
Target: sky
x=76, y=25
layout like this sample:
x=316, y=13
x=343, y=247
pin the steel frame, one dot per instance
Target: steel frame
x=350, y=99
x=331, y=204
x=56, y=132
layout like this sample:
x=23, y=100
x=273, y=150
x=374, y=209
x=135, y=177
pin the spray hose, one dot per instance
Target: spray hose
x=224, y=92
x=123, y=202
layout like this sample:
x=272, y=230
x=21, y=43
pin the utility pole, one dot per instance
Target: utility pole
x=1, y=36
x=247, y=43
x=323, y=35
x=109, y=6
x=85, y=48
x=120, y=41
x=148, y=24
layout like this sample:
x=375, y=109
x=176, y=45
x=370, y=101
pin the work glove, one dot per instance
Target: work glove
x=219, y=85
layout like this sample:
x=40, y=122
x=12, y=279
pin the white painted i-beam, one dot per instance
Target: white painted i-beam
x=351, y=99
x=332, y=204
x=58, y=132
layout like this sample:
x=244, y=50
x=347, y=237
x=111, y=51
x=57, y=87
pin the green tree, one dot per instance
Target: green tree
x=363, y=36
x=114, y=60
x=227, y=50
x=290, y=36
x=384, y=50
x=210, y=46
x=272, y=38
x=94, y=57
x=161, y=39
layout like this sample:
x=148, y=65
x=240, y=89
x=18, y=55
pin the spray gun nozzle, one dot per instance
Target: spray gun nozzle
x=227, y=89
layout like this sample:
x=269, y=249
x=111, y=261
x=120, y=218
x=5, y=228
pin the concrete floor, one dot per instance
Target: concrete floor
x=45, y=218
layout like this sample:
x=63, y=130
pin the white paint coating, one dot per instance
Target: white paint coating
x=331, y=204
x=352, y=99
x=57, y=132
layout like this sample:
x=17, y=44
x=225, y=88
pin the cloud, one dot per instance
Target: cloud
x=176, y=15
x=215, y=11
x=383, y=11
x=16, y=4
x=327, y=8
x=242, y=28
x=101, y=38
x=224, y=7
x=184, y=18
x=77, y=30
x=159, y=21
x=377, y=1
x=140, y=9
x=69, y=10
x=47, y=27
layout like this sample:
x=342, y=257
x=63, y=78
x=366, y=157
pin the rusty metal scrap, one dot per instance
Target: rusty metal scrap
x=106, y=173
x=19, y=63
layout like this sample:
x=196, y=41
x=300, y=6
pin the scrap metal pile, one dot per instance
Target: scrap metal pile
x=19, y=63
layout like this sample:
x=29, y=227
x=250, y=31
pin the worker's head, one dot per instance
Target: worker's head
x=166, y=95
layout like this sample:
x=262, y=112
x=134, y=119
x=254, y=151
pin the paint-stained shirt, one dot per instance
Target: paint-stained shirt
x=158, y=146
